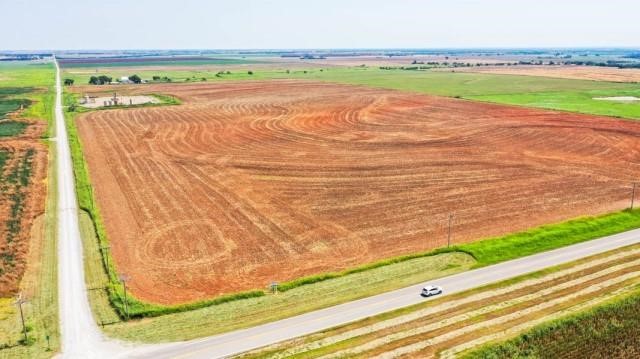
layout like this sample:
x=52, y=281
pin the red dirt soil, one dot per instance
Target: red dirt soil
x=14, y=248
x=252, y=182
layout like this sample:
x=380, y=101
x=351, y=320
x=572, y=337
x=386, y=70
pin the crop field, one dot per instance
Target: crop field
x=22, y=170
x=453, y=325
x=21, y=201
x=252, y=182
x=27, y=240
x=595, y=73
x=607, y=331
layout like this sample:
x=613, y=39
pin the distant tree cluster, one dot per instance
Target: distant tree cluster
x=68, y=82
x=100, y=80
x=609, y=63
x=163, y=78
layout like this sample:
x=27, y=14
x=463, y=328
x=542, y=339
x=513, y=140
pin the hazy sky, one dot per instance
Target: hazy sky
x=184, y=24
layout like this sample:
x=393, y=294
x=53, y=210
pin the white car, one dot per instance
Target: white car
x=431, y=290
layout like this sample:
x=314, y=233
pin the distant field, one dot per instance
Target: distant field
x=299, y=162
x=542, y=92
x=454, y=83
x=128, y=62
x=596, y=73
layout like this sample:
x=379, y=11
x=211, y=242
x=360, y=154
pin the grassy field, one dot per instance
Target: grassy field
x=8, y=105
x=29, y=81
x=574, y=101
x=32, y=85
x=81, y=76
x=607, y=331
x=452, y=84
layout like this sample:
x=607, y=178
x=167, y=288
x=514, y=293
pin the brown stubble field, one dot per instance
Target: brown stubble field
x=251, y=182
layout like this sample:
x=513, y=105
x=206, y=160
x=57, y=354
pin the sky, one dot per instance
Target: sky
x=302, y=24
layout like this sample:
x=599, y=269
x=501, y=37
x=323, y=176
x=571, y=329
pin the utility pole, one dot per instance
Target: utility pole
x=19, y=302
x=633, y=194
x=449, y=231
x=124, y=278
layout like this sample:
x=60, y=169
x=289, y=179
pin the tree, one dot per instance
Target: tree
x=99, y=80
x=68, y=82
x=135, y=79
x=250, y=72
x=156, y=78
x=102, y=79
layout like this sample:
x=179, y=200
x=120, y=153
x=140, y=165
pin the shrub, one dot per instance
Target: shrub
x=135, y=79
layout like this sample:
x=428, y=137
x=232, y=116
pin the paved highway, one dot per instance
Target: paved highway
x=81, y=337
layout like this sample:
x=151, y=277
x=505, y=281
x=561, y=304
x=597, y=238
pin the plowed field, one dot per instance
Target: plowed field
x=252, y=182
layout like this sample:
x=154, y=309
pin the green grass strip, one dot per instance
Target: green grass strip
x=545, y=238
